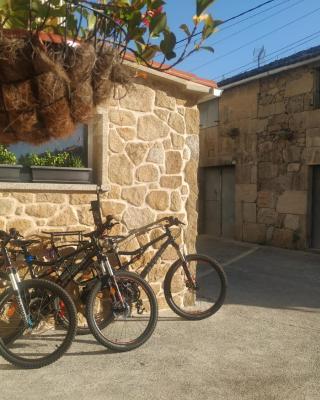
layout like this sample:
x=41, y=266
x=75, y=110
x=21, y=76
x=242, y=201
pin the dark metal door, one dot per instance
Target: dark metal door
x=315, y=237
x=218, y=201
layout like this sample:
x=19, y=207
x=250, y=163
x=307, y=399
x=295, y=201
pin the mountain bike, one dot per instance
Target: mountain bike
x=194, y=286
x=121, y=308
x=30, y=333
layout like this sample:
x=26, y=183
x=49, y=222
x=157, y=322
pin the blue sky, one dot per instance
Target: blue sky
x=228, y=55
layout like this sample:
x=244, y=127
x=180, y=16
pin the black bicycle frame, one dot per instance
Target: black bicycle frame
x=70, y=271
x=136, y=254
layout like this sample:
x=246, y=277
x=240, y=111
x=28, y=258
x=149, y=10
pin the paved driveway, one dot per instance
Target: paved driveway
x=263, y=344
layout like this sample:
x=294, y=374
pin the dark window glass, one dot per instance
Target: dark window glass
x=75, y=144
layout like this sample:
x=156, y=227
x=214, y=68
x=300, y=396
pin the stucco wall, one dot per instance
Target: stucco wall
x=144, y=147
x=278, y=141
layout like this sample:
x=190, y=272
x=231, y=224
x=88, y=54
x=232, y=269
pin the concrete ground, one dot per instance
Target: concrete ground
x=263, y=344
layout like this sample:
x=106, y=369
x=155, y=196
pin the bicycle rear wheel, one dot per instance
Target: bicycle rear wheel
x=199, y=297
x=44, y=340
x=118, y=328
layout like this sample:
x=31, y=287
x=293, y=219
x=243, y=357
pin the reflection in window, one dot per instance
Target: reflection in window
x=75, y=144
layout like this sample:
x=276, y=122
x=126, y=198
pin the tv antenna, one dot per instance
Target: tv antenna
x=259, y=54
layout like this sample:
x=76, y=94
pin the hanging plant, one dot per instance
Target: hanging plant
x=59, y=59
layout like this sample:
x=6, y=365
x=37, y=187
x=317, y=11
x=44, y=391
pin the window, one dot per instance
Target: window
x=77, y=144
x=209, y=113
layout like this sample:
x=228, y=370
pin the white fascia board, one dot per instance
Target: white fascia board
x=214, y=94
x=187, y=85
x=271, y=72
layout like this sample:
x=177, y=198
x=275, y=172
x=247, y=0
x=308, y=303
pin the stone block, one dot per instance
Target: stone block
x=151, y=128
x=120, y=170
x=82, y=198
x=156, y=154
x=254, y=233
x=162, y=114
x=171, y=182
x=110, y=207
x=22, y=225
x=122, y=117
x=312, y=155
x=282, y=238
x=313, y=137
x=136, y=152
x=266, y=199
x=164, y=100
x=191, y=175
x=158, y=200
x=292, y=153
x=134, y=195
x=292, y=202
x=293, y=167
x=41, y=210
x=173, y=162
x=267, y=216
x=51, y=198
x=127, y=133
x=139, y=98
x=176, y=122
x=249, y=212
x=246, y=192
x=65, y=217
x=267, y=170
x=192, y=121
x=147, y=173
x=177, y=141
x=192, y=142
x=175, y=204
x=116, y=145
x=23, y=197
x=291, y=222
x=7, y=206
x=137, y=217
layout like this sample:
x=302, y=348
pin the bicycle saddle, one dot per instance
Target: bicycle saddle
x=24, y=243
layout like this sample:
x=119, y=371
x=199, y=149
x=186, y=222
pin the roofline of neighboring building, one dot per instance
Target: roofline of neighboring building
x=237, y=80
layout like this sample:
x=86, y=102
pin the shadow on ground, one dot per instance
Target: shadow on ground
x=265, y=276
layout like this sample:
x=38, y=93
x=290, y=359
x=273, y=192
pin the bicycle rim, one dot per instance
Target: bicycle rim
x=119, y=328
x=43, y=340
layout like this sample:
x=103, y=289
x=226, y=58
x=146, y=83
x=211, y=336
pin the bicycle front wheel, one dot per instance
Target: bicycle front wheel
x=122, y=328
x=42, y=340
x=197, y=289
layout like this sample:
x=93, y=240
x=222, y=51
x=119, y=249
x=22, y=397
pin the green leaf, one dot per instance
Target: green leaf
x=185, y=28
x=150, y=52
x=202, y=5
x=208, y=48
x=168, y=44
x=210, y=27
x=158, y=24
x=157, y=3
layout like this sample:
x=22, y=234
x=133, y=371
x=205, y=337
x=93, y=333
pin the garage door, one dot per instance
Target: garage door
x=218, y=201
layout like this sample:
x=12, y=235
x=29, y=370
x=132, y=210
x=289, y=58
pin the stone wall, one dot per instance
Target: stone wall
x=278, y=141
x=148, y=144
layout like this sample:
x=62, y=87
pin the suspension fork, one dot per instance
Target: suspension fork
x=182, y=256
x=15, y=282
x=107, y=272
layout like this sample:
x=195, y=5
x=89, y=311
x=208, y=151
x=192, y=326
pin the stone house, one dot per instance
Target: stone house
x=143, y=148
x=260, y=155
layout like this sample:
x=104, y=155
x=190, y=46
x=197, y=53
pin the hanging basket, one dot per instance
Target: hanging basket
x=48, y=85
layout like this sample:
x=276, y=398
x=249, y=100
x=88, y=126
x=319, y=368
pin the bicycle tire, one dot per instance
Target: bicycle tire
x=122, y=277
x=8, y=347
x=173, y=299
